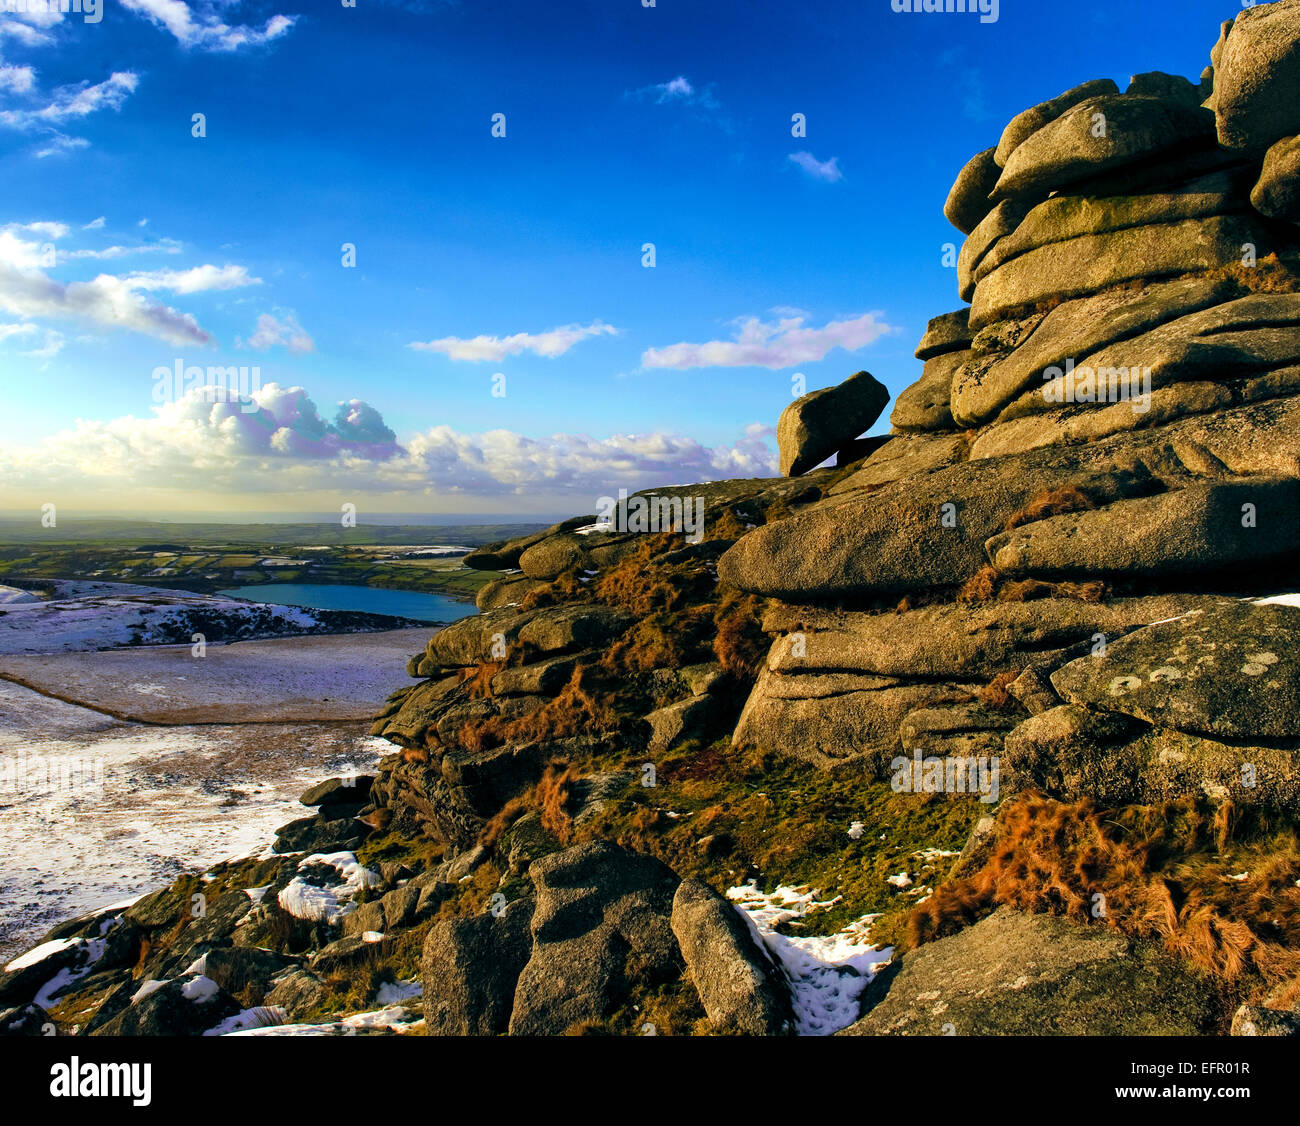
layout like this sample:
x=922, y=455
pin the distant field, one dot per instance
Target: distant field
x=240, y=559
x=187, y=537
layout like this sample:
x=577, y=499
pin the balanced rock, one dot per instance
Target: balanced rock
x=818, y=424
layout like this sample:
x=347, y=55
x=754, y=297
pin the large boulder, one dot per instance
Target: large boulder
x=741, y=988
x=1065, y=217
x=1277, y=192
x=600, y=909
x=927, y=531
x=561, y=628
x=1251, y=335
x=186, y=1007
x=1028, y=122
x=988, y=382
x=1075, y=753
x=470, y=968
x=977, y=641
x=818, y=424
x=1203, y=527
x=836, y=721
x=948, y=332
x=1229, y=672
x=1257, y=77
x=1080, y=267
x=1099, y=135
x=1036, y=975
x=968, y=201
x=924, y=405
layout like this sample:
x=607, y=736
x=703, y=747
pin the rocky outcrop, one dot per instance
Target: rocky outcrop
x=1050, y=583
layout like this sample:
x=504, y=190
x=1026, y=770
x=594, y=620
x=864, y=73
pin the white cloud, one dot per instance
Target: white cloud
x=496, y=348
x=52, y=347
x=17, y=79
x=273, y=331
x=204, y=444
x=107, y=253
x=828, y=170
x=10, y=330
x=681, y=91
x=108, y=301
x=24, y=33
x=42, y=228
x=95, y=224
x=75, y=101
x=59, y=145
x=199, y=279
x=767, y=344
x=201, y=26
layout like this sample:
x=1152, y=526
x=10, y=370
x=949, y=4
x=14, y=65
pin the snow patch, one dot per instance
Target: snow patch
x=827, y=973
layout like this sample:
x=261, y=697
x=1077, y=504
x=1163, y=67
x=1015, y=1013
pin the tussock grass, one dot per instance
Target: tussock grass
x=1215, y=886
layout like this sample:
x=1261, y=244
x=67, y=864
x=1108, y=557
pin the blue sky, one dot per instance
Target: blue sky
x=477, y=255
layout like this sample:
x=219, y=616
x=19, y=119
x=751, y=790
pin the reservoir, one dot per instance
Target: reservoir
x=417, y=605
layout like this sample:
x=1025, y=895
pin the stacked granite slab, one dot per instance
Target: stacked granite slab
x=1106, y=437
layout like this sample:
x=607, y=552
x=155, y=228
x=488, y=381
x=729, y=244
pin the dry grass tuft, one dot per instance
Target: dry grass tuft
x=740, y=644
x=979, y=587
x=1050, y=502
x=575, y=711
x=477, y=680
x=1163, y=872
x=995, y=694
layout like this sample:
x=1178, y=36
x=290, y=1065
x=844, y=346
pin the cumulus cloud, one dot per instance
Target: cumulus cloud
x=496, y=348
x=95, y=224
x=828, y=170
x=205, y=441
x=200, y=25
x=273, y=331
x=772, y=344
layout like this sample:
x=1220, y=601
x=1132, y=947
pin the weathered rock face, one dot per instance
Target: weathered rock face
x=820, y=423
x=1277, y=192
x=1036, y=975
x=1119, y=405
x=1257, y=77
x=1229, y=672
x=742, y=990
